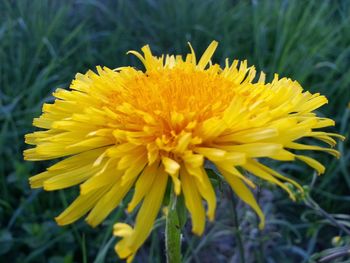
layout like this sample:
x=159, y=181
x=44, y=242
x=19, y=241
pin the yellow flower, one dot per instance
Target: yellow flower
x=126, y=128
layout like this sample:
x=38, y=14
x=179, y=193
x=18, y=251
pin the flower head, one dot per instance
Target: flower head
x=126, y=128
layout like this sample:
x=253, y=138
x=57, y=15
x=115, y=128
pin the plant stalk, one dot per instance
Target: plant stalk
x=172, y=233
x=237, y=230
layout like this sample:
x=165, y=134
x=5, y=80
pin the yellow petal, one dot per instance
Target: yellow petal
x=233, y=158
x=254, y=150
x=212, y=154
x=183, y=142
x=245, y=194
x=121, y=150
x=193, y=54
x=138, y=55
x=135, y=169
x=313, y=104
x=299, y=146
x=130, y=159
x=149, y=210
x=171, y=166
x=143, y=185
x=69, y=164
x=208, y=53
x=249, y=136
x=131, y=242
x=232, y=171
x=152, y=153
x=312, y=163
x=283, y=155
x=193, y=202
x=108, y=177
x=280, y=176
x=94, y=142
x=207, y=192
x=212, y=128
x=78, y=160
x=79, y=207
x=38, y=180
x=122, y=230
x=122, y=249
x=252, y=167
x=108, y=202
x=66, y=179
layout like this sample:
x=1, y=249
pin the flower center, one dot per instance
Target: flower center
x=173, y=99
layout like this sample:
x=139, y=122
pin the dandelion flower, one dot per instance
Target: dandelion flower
x=129, y=129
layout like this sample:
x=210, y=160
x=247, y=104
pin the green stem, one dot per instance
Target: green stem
x=237, y=230
x=172, y=233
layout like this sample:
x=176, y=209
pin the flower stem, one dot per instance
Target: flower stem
x=237, y=230
x=172, y=233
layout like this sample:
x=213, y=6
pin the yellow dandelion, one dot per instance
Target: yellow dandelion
x=126, y=128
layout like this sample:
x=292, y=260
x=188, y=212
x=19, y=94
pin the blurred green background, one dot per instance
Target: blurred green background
x=43, y=44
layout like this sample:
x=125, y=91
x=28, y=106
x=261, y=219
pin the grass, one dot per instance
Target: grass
x=44, y=43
